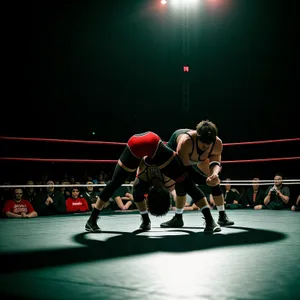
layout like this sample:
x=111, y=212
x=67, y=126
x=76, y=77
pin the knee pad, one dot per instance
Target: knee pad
x=216, y=190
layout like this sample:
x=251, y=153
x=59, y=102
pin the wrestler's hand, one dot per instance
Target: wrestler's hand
x=213, y=180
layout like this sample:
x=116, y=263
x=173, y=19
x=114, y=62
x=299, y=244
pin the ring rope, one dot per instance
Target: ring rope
x=262, y=142
x=256, y=182
x=123, y=144
x=60, y=141
x=260, y=160
x=232, y=180
x=224, y=182
x=60, y=160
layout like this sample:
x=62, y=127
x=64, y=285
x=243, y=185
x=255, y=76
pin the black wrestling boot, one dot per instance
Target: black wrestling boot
x=91, y=226
x=175, y=222
x=224, y=220
x=211, y=226
x=146, y=223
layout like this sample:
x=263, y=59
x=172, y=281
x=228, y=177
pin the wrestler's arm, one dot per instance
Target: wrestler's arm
x=183, y=150
x=216, y=157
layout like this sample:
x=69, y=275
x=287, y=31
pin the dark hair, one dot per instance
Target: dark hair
x=75, y=188
x=278, y=174
x=158, y=201
x=207, y=132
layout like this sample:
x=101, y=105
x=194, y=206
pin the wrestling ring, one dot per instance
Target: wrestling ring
x=54, y=258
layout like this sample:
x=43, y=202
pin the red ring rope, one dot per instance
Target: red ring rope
x=59, y=160
x=114, y=161
x=123, y=144
x=262, y=142
x=260, y=160
x=52, y=160
x=59, y=141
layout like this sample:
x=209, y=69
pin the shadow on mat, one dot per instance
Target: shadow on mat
x=128, y=244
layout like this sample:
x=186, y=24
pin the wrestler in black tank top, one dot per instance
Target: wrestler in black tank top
x=199, y=151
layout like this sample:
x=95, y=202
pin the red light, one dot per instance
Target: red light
x=186, y=69
x=163, y=2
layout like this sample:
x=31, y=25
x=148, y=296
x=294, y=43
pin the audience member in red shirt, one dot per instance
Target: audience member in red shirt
x=76, y=203
x=19, y=208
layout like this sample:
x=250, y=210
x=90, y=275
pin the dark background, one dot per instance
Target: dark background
x=115, y=68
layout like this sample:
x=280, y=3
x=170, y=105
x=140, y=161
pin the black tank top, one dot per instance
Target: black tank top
x=199, y=151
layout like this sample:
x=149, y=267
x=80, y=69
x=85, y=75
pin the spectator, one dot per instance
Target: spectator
x=254, y=195
x=18, y=207
x=75, y=203
x=29, y=192
x=49, y=201
x=90, y=194
x=101, y=180
x=72, y=180
x=5, y=194
x=231, y=196
x=65, y=190
x=277, y=195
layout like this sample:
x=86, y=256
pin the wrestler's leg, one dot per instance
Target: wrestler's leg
x=174, y=169
x=180, y=201
x=140, y=188
x=142, y=206
x=127, y=164
x=217, y=194
x=202, y=204
x=120, y=174
x=210, y=225
x=181, y=194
